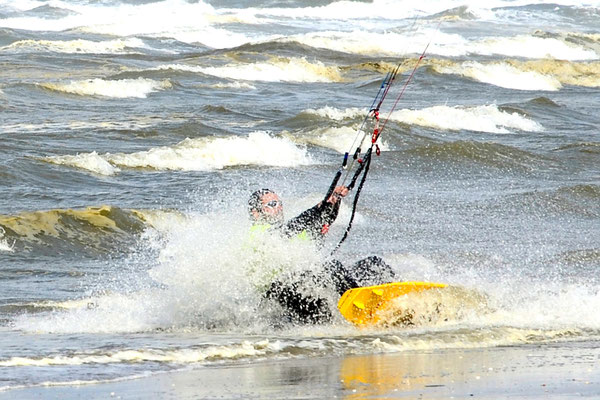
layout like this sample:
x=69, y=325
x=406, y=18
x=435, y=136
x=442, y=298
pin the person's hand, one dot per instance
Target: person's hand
x=338, y=193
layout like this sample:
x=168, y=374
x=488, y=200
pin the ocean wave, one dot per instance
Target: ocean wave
x=391, y=43
x=89, y=161
x=590, y=37
x=49, y=12
x=529, y=46
x=277, y=69
x=500, y=74
x=488, y=119
x=568, y=73
x=192, y=23
x=93, y=228
x=226, y=269
x=368, y=43
x=73, y=382
x=347, y=11
x=583, y=199
x=4, y=245
x=336, y=114
x=234, y=85
x=341, y=139
x=124, y=88
x=43, y=306
x=200, y=22
x=544, y=102
x=373, y=341
x=132, y=122
x=199, y=154
x=186, y=22
x=457, y=14
x=490, y=154
x=589, y=191
x=586, y=147
x=81, y=46
x=245, y=349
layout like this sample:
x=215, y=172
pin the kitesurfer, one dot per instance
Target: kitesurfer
x=292, y=291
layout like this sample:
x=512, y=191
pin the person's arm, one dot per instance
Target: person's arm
x=316, y=220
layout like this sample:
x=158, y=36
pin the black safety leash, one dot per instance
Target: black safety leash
x=366, y=163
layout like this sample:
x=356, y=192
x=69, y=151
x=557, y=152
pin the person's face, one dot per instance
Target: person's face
x=272, y=209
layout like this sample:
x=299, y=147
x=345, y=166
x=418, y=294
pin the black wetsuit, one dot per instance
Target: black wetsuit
x=315, y=221
x=295, y=292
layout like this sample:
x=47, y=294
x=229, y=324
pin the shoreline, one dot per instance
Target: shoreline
x=542, y=371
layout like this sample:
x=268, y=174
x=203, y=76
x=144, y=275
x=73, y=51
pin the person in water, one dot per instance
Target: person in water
x=293, y=292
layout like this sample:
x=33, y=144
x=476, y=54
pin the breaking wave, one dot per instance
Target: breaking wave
x=88, y=161
x=502, y=75
x=548, y=75
x=396, y=44
x=200, y=154
x=245, y=349
x=369, y=43
x=340, y=139
x=93, y=228
x=286, y=348
x=234, y=85
x=139, y=88
x=568, y=73
x=116, y=46
x=274, y=70
x=527, y=46
x=4, y=245
x=489, y=118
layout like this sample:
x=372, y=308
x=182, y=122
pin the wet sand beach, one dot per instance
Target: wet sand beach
x=552, y=371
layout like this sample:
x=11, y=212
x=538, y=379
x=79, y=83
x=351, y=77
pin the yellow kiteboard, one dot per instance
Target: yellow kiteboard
x=364, y=305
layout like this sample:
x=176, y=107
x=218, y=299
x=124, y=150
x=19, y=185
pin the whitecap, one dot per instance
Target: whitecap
x=87, y=161
x=4, y=246
x=527, y=46
x=117, y=46
x=502, y=75
x=487, y=118
x=123, y=88
x=275, y=70
x=200, y=154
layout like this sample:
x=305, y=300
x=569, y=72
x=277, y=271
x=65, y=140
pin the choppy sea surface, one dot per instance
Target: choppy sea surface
x=132, y=132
